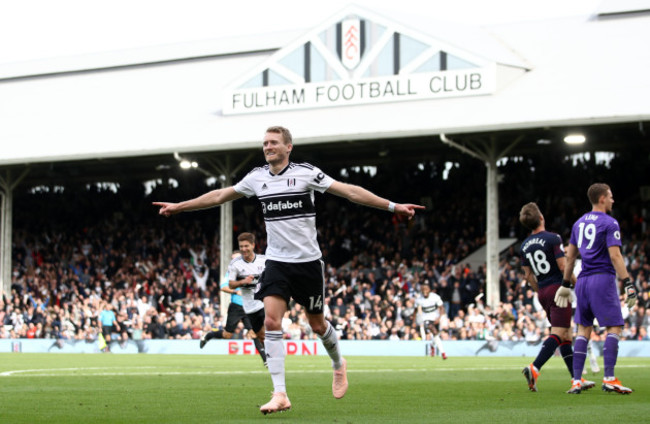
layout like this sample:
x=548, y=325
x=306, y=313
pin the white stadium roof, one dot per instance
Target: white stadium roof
x=582, y=70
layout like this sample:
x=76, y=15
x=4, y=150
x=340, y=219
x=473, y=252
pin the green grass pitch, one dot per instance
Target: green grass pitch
x=79, y=388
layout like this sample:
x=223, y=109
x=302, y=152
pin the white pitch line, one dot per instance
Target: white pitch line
x=10, y=373
x=81, y=372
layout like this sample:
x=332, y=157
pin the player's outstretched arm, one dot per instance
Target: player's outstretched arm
x=208, y=200
x=407, y=209
x=360, y=195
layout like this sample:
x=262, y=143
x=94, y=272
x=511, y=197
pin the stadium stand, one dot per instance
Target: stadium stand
x=94, y=245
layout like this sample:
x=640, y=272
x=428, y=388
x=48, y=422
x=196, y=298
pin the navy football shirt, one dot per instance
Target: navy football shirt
x=540, y=252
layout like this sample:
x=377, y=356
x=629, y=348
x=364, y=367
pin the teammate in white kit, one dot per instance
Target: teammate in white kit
x=241, y=278
x=244, y=273
x=430, y=308
x=294, y=268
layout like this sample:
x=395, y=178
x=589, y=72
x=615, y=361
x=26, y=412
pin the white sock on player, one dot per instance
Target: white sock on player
x=331, y=342
x=275, y=355
x=438, y=342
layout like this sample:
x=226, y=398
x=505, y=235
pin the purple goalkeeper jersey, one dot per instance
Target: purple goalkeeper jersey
x=593, y=234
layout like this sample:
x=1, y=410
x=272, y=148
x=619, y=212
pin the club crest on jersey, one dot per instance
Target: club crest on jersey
x=291, y=182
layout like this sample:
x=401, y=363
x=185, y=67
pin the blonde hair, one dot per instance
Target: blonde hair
x=286, y=134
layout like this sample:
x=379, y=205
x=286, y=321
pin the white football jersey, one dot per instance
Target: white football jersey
x=288, y=207
x=240, y=269
x=430, y=306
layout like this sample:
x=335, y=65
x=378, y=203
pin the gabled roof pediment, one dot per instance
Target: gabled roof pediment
x=357, y=46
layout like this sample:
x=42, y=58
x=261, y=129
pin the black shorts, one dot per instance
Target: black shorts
x=431, y=327
x=303, y=281
x=235, y=314
x=107, y=330
x=257, y=320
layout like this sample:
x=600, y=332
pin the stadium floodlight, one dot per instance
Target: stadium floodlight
x=575, y=139
x=185, y=163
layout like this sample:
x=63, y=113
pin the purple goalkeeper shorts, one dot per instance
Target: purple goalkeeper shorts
x=558, y=317
x=597, y=297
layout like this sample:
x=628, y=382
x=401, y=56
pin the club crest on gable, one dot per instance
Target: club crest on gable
x=358, y=57
x=351, y=43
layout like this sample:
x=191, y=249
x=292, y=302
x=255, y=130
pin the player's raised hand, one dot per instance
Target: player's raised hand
x=406, y=209
x=563, y=295
x=166, y=208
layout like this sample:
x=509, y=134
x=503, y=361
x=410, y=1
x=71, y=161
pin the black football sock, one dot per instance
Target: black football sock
x=566, y=350
x=548, y=348
x=214, y=335
x=260, y=348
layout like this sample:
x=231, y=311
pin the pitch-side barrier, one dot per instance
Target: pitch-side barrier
x=303, y=347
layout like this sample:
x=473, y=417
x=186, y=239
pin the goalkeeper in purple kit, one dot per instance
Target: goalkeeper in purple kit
x=597, y=237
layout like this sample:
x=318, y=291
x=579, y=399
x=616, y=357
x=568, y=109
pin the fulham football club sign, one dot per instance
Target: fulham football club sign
x=357, y=58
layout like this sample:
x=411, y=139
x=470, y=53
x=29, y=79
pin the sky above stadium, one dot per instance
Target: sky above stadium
x=42, y=29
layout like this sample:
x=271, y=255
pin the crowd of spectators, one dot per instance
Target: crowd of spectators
x=109, y=250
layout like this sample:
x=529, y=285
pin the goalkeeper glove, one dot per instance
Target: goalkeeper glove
x=563, y=294
x=630, y=292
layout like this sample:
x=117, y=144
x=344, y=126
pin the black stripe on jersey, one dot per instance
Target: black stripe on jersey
x=287, y=218
x=305, y=165
x=287, y=205
x=258, y=168
x=283, y=195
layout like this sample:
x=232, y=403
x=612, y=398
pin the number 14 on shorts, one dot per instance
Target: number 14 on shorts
x=315, y=302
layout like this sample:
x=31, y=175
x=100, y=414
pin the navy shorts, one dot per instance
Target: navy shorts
x=303, y=281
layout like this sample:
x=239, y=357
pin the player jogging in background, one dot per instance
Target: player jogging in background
x=597, y=237
x=430, y=308
x=294, y=268
x=244, y=273
x=543, y=261
x=236, y=313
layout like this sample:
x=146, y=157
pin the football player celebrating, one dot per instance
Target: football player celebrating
x=294, y=268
